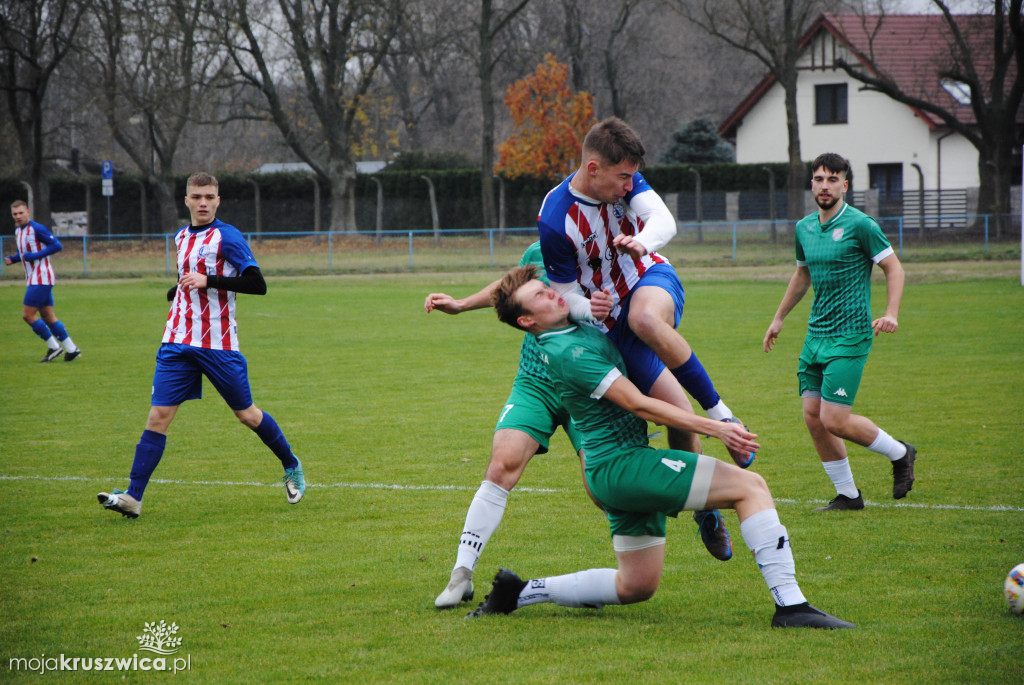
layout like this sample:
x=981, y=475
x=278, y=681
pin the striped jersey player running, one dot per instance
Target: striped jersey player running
x=201, y=339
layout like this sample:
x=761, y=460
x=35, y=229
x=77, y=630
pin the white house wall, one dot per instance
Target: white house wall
x=879, y=131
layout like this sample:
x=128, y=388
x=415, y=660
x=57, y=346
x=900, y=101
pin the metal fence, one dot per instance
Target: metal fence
x=705, y=243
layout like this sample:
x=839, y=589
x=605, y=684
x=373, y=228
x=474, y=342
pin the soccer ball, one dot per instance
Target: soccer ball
x=1013, y=588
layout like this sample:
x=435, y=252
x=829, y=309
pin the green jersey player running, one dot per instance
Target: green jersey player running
x=638, y=486
x=836, y=247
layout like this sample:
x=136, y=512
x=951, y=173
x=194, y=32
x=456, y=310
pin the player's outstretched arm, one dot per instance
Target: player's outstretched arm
x=623, y=393
x=443, y=302
x=799, y=283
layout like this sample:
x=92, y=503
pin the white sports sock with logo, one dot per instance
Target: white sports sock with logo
x=768, y=539
x=842, y=477
x=590, y=589
x=482, y=519
x=885, y=444
x=68, y=345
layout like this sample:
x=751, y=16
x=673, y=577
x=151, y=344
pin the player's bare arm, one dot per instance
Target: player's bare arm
x=623, y=393
x=798, y=286
x=449, y=305
x=894, y=280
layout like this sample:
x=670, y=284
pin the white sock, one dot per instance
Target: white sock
x=768, y=539
x=842, y=477
x=885, y=444
x=482, y=519
x=719, y=412
x=68, y=345
x=52, y=343
x=591, y=589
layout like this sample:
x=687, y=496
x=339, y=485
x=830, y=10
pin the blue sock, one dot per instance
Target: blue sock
x=273, y=438
x=694, y=379
x=40, y=328
x=59, y=331
x=147, y=455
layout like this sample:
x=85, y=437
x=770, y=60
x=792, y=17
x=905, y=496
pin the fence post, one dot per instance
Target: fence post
x=501, y=210
x=330, y=251
x=167, y=254
x=380, y=208
x=734, y=241
x=490, y=240
x=771, y=202
x=316, y=209
x=256, y=203
x=699, y=213
x=433, y=210
x=410, y=249
x=85, y=255
x=144, y=224
x=986, y=233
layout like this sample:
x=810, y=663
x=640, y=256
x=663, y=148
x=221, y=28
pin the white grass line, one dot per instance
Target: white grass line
x=465, y=488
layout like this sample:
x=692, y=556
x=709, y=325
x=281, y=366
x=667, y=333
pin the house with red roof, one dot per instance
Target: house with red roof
x=892, y=147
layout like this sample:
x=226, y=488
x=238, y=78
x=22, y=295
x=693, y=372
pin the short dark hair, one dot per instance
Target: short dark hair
x=201, y=178
x=830, y=161
x=504, y=299
x=614, y=141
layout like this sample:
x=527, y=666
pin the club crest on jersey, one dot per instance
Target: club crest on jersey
x=202, y=250
x=617, y=210
x=837, y=234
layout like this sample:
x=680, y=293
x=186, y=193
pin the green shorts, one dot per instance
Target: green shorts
x=533, y=408
x=641, y=486
x=831, y=368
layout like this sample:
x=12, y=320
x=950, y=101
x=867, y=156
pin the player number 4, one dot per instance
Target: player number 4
x=674, y=464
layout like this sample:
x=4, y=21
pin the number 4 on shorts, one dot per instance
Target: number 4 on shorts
x=674, y=464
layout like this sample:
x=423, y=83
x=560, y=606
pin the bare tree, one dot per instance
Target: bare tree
x=326, y=55
x=154, y=63
x=983, y=56
x=611, y=58
x=35, y=37
x=491, y=23
x=759, y=29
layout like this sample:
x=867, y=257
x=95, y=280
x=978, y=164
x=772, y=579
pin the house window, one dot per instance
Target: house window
x=887, y=179
x=830, y=103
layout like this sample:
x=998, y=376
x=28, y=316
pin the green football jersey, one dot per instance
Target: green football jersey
x=529, y=354
x=839, y=256
x=582, y=362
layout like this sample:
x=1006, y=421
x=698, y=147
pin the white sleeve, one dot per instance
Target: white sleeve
x=659, y=224
x=579, y=305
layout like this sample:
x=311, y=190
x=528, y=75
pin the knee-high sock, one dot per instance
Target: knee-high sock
x=147, y=455
x=768, y=539
x=591, y=589
x=58, y=329
x=482, y=519
x=40, y=328
x=695, y=380
x=841, y=476
x=273, y=438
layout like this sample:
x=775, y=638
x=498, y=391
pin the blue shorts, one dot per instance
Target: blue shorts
x=642, y=364
x=38, y=296
x=180, y=370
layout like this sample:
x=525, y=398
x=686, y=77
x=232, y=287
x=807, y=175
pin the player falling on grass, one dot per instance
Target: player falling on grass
x=601, y=228
x=201, y=339
x=836, y=247
x=525, y=425
x=35, y=244
x=639, y=486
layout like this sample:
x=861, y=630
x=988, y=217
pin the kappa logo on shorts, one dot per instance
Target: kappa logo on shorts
x=841, y=392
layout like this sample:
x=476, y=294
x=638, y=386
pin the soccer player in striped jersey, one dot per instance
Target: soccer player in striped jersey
x=35, y=244
x=600, y=229
x=836, y=248
x=639, y=486
x=201, y=339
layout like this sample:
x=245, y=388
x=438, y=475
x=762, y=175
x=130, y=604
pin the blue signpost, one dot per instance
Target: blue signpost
x=108, y=187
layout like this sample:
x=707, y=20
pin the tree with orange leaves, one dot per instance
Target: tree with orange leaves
x=550, y=124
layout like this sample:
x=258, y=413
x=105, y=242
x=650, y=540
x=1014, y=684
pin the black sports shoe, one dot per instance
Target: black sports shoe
x=713, y=533
x=73, y=355
x=903, y=472
x=504, y=595
x=843, y=503
x=52, y=354
x=742, y=459
x=806, y=616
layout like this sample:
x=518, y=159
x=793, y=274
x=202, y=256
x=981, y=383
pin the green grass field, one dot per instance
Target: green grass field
x=391, y=411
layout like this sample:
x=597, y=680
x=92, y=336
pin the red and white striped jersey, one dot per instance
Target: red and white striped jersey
x=205, y=317
x=32, y=238
x=576, y=241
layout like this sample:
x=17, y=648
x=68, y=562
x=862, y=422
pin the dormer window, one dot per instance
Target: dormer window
x=830, y=103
